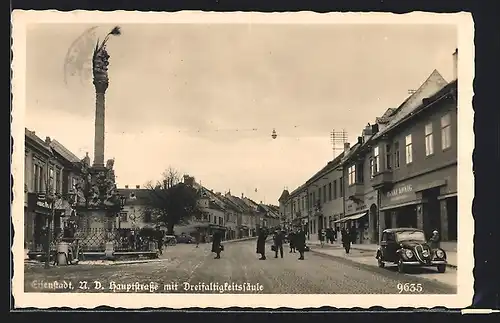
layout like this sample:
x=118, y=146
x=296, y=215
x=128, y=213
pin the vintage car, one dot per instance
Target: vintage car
x=408, y=247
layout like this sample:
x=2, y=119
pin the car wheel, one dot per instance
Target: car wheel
x=441, y=268
x=401, y=268
x=381, y=264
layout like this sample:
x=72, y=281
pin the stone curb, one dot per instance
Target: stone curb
x=371, y=250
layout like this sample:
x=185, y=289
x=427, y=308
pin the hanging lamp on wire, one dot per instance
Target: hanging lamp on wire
x=274, y=134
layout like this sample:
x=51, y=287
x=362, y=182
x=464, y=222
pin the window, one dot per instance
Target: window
x=329, y=191
x=376, y=160
x=314, y=199
x=123, y=217
x=215, y=219
x=324, y=193
x=352, y=174
x=445, y=131
x=388, y=156
x=359, y=173
x=58, y=181
x=372, y=168
x=408, y=150
x=51, y=183
x=341, y=186
x=335, y=189
x=396, y=155
x=37, y=178
x=319, y=195
x=429, y=140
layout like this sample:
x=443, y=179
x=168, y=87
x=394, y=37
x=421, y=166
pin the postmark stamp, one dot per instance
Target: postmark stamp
x=78, y=59
x=376, y=224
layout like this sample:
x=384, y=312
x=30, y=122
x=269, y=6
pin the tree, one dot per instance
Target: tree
x=171, y=201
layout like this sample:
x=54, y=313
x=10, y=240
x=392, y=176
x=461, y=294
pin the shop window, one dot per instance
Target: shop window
x=429, y=140
x=445, y=131
x=396, y=155
x=408, y=149
x=352, y=174
x=388, y=157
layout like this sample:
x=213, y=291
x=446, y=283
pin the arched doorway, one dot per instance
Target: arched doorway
x=374, y=223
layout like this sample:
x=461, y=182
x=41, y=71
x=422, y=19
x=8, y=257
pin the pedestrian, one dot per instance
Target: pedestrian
x=261, y=243
x=278, y=243
x=434, y=241
x=216, y=243
x=291, y=239
x=300, y=243
x=159, y=239
x=197, y=237
x=322, y=237
x=346, y=240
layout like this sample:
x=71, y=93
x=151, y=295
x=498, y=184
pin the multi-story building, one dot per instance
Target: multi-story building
x=246, y=219
x=37, y=161
x=49, y=168
x=135, y=213
x=402, y=172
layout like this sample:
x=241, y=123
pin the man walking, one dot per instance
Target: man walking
x=261, y=243
x=278, y=243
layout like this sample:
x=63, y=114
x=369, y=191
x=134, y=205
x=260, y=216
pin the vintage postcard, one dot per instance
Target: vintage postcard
x=242, y=159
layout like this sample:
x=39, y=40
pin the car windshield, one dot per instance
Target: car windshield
x=410, y=235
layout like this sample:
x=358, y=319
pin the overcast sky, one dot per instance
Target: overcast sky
x=204, y=99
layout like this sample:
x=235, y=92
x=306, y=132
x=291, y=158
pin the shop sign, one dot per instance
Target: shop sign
x=400, y=191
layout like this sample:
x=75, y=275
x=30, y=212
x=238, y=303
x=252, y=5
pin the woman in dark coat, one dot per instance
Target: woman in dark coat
x=291, y=240
x=261, y=244
x=216, y=243
x=346, y=240
x=300, y=242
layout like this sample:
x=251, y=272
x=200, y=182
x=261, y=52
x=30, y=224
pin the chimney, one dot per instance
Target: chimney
x=242, y=196
x=47, y=140
x=360, y=140
x=138, y=186
x=374, y=128
x=455, y=64
x=347, y=146
x=126, y=186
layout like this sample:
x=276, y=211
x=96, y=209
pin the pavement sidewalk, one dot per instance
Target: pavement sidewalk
x=451, y=254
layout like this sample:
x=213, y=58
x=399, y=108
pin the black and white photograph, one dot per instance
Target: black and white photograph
x=242, y=159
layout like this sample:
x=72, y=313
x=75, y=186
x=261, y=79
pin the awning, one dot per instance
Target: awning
x=352, y=217
x=395, y=206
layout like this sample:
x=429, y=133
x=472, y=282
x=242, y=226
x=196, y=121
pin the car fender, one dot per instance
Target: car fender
x=378, y=254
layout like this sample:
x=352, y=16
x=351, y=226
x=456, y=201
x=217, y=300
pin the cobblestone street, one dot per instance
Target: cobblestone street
x=185, y=266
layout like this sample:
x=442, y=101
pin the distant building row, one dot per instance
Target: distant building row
x=402, y=172
x=238, y=217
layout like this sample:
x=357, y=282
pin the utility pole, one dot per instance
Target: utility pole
x=336, y=138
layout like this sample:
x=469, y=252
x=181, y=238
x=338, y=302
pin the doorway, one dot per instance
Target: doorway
x=432, y=212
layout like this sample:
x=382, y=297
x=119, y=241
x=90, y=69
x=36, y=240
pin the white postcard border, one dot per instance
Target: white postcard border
x=463, y=298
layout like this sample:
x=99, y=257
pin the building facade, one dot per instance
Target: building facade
x=417, y=181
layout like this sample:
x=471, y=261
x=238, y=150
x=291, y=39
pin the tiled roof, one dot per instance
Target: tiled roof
x=284, y=195
x=31, y=135
x=142, y=195
x=427, y=89
x=64, y=152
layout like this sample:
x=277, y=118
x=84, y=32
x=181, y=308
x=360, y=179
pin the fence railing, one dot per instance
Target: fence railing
x=95, y=239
